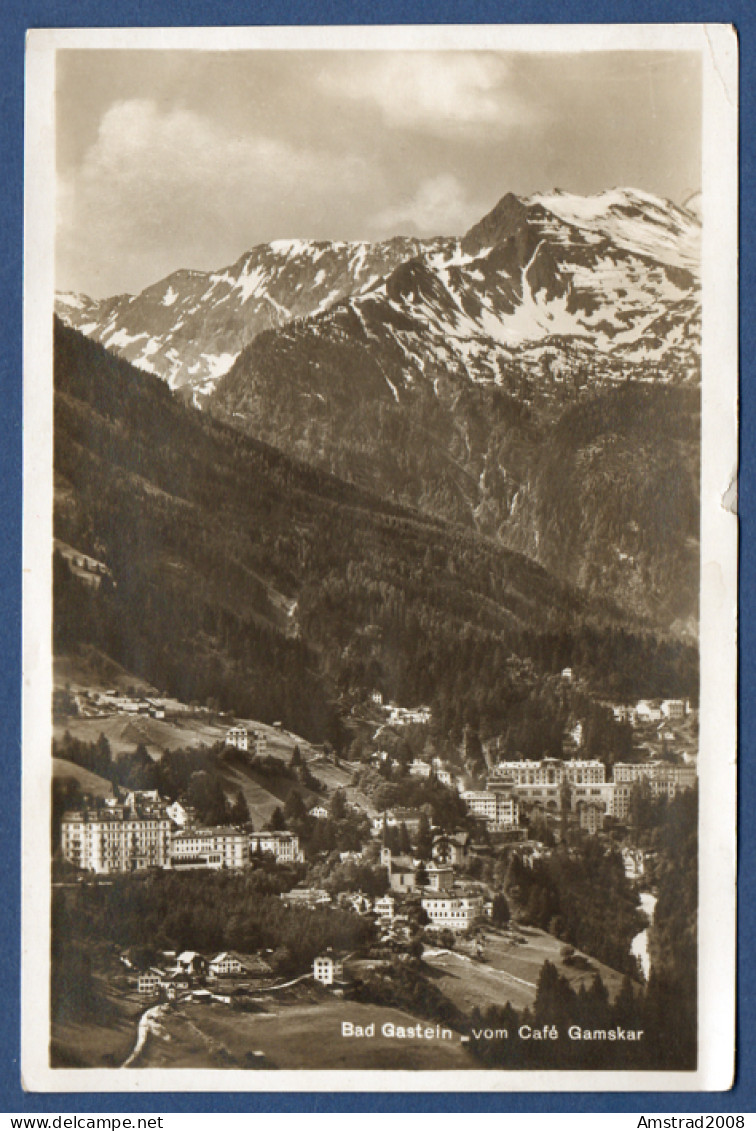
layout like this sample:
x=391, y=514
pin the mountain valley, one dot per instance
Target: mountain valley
x=232, y=573
x=536, y=380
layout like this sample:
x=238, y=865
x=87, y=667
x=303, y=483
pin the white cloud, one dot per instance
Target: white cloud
x=437, y=92
x=173, y=179
x=439, y=206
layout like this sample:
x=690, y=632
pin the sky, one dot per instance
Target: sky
x=176, y=158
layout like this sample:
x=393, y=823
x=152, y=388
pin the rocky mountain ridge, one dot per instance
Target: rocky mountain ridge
x=610, y=281
x=536, y=380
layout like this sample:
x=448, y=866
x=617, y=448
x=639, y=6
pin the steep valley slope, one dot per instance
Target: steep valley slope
x=536, y=380
x=236, y=573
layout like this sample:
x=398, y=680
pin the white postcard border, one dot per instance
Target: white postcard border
x=717, y=761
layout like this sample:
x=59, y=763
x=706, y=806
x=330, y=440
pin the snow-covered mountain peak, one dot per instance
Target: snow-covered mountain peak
x=616, y=271
x=633, y=220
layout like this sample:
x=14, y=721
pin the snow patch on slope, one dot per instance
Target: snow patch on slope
x=634, y=220
x=219, y=364
x=120, y=339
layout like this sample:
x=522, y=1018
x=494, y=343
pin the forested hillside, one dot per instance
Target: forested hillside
x=600, y=486
x=234, y=573
x=610, y=500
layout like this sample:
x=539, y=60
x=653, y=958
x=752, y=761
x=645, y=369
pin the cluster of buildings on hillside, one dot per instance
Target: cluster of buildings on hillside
x=434, y=885
x=227, y=977
x=143, y=831
x=644, y=711
x=577, y=786
x=457, y=907
x=192, y=972
x=445, y=902
x=99, y=704
x=653, y=711
x=86, y=568
x=401, y=716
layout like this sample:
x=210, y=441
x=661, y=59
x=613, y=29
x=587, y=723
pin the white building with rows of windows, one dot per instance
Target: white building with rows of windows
x=219, y=847
x=253, y=742
x=327, y=969
x=283, y=845
x=498, y=808
x=580, y=786
x=143, y=831
x=458, y=912
x=116, y=839
x=552, y=771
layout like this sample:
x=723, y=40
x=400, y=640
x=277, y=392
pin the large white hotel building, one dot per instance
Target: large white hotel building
x=581, y=783
x=116, y=839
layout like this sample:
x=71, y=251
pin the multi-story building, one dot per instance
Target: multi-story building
x=591, y=816
x=663, y=779
x=632, y=771
x=621, y=799
x=584, y=771
x=598, y=795
x=384, y=907
x=552, y=771
x=626, y=775
x=674, y=708
x=395, y=818
x=580, y=786
x=191, y=962
x=440, y=877
x=682, y=776
x=116, y=839
x=252, y=741
x=327, y=970
x=548, y=782
x=402, y=716
x=283, y=845
x=670, y=780
x=219, y=847
x=149, y=981
x=481, y=803
x=498, y=807
x=458, y=912
x=224, y=964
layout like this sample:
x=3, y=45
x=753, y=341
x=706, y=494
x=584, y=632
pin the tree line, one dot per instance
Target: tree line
x=240, y=576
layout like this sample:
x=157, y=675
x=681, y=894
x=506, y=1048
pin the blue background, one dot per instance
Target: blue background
x=15, y=18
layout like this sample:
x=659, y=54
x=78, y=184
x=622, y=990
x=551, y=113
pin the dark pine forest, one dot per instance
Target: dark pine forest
x=238, y=576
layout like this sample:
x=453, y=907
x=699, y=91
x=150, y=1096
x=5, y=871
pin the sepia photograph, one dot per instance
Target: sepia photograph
x=380, y=604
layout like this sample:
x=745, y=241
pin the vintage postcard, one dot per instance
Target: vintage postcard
x=380, y=559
